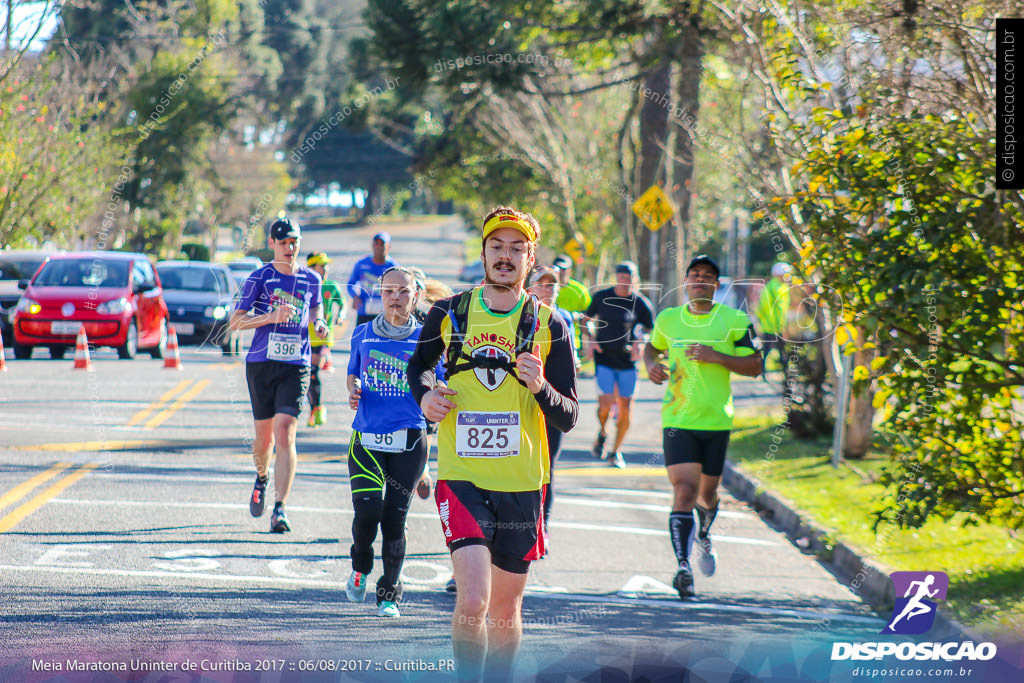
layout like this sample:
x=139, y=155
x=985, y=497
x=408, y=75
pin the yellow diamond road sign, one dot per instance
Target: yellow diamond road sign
x=654, y=208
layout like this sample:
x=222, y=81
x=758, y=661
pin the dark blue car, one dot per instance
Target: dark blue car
x=200, y=297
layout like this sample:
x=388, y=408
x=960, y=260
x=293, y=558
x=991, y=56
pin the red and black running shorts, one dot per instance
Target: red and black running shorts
x=510, y=524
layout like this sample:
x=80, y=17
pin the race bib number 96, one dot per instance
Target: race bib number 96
x=284, y=347
x=487, y=435
x=388, y=443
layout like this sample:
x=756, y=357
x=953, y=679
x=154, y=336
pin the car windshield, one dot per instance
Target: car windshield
x=92, y=272
x=19, y=269
x=189, y=279
x=243, y=266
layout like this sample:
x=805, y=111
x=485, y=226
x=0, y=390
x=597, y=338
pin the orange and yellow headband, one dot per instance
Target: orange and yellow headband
x=506, y=220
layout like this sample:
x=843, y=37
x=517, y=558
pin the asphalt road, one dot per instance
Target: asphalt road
x=125, y=538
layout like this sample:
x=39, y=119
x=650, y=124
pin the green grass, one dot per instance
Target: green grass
x=985, y=565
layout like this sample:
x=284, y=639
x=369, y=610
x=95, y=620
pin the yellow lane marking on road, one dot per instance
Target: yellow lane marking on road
x=103, y=446
x=19, y=491
x=26, y=509
x=228, y=366
x=159, y=403
x=85, y=446
x=177, y=405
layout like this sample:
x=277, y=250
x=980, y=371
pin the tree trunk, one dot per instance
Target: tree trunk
x=653, y=133
x=859, y=431
x=685, y=114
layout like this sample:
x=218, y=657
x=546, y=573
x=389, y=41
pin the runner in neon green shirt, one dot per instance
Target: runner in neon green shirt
x=702, y=342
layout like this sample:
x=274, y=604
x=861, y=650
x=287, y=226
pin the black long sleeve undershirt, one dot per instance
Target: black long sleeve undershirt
x=557, y=398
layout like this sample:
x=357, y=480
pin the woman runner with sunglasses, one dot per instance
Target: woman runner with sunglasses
x=389, y=444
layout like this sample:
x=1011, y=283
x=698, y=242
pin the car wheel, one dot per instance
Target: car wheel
x=22, y=352
x=158, y=350
x=57, y=351
x=131, y=343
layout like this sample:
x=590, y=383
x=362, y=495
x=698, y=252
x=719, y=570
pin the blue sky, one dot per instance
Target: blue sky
x=26, y=17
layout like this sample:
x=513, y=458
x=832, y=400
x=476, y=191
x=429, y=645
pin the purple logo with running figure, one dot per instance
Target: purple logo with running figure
x=917, y=594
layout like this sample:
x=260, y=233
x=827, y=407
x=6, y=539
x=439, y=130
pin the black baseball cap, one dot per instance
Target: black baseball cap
x=627, y=267
x=284, y=228
x=707, y=260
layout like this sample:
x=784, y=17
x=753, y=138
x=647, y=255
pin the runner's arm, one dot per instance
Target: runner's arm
x=241, y=320
x=429, y=350
x=557, y=397
x=749, y=365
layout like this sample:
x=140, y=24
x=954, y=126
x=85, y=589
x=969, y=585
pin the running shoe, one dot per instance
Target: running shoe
x=425, y=487
x=683, y=583
x=355, y=589
x=320, y=415
x=450, y=586
x=279, y=521
x=616, y=460
x=387, y=609
x=312, y=418
x=258, y=501
x=598, y=449
x=707, y=558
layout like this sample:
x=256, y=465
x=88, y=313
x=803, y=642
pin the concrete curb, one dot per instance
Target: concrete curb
x=865, y=578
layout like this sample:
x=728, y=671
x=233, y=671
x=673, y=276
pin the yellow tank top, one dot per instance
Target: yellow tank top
x=495, y=437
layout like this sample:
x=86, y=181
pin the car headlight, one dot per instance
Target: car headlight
x=113, y=306
x=215, y=312
x=26, y=305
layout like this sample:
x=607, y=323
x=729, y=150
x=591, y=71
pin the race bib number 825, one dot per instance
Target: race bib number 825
x=487, y=435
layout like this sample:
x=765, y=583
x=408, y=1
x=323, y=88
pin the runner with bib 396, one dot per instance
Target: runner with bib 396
x=279, y=301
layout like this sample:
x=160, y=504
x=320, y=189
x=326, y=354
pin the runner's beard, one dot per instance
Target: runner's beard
x=518, y=284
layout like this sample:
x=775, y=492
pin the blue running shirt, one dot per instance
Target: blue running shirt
x=386, y=405
x=362, y=283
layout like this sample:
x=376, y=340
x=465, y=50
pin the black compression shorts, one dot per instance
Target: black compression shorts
x=706, y=446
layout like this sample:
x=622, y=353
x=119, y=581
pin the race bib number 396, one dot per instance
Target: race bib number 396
x=487, y=435
x=284, y=347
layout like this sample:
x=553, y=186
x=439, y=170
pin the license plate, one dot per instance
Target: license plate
x=64, y=327
x=184, y=328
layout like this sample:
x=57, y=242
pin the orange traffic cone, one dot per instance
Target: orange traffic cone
x=328, y=365
x=3, y=361
x=82, y=361
x=172, y=359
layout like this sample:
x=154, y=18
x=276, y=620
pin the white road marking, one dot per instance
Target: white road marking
x=618, y=492
x=533, y=592
x=565, y=499
x=640, y=531
x=639, y=584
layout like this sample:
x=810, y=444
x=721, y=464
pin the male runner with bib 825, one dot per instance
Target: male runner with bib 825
x=509, y=371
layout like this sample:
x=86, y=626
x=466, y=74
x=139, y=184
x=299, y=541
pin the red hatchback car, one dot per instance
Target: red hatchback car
x=116, y=296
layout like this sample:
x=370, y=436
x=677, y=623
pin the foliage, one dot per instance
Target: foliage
x=893, y=205
x=195, y=251
x=53, y=154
